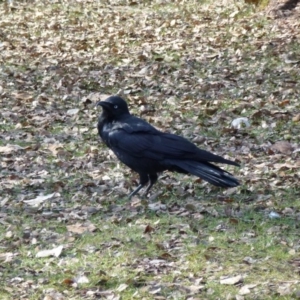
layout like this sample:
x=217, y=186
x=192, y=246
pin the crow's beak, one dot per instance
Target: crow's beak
x=104, y=104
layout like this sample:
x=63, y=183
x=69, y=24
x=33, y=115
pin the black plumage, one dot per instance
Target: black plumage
x=149, y=151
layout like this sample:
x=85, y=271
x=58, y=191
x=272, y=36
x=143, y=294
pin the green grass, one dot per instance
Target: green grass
x=203, y=65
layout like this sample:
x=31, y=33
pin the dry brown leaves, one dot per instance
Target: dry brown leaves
x=187, y=68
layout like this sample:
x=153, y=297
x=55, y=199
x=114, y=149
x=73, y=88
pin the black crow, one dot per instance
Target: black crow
x=149, y=151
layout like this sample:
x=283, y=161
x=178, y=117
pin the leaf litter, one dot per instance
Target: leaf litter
x=192, y=69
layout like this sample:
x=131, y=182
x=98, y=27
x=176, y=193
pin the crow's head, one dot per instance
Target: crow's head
x=114, y=107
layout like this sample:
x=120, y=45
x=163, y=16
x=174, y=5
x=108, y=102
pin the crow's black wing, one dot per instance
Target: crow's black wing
x=139, y=139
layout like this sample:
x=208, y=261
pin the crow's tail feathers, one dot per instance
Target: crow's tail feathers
x=206, y=171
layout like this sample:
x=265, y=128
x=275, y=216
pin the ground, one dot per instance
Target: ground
x=68, y=231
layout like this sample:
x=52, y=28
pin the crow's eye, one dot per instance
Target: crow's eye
x=115, y=106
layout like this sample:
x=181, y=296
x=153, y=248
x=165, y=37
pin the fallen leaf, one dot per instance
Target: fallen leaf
x=157, y=206
x=52, y=252
x=80, y=228
x=239, y=123
x=148, y=229
x=122, y=287
x=10, y=148
x=40, y=199
x=282, y=147
x=249, y=260
x=245, y=289
x=72, y=111
x=232, y=280
x=81, y=279
x=284, y=289
x=274, y=215
x=7, y=257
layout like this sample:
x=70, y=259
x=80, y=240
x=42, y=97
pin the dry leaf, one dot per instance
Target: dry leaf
x=7, y=257
x=239, y=123
x=81, y=228
x=148, y=229
x=40, y=199
x=52, y=252
x=232, y=280
x=81, y=279
x=72, y=111
x=282, y=147
x=245, y=289
x=10, y=148
x=122, y=287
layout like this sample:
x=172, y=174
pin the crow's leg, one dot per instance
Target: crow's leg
x=152, y=179
x=143, y=181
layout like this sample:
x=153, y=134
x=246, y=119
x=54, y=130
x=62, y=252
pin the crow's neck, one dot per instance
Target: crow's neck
x=102, y=121
x=106, y=120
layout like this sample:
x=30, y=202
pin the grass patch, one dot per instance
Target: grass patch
x=189, y=68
